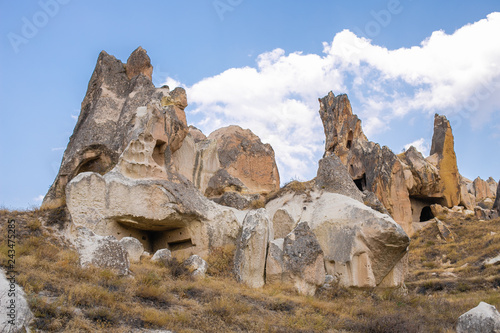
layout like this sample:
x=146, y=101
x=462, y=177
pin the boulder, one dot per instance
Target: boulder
x=196, y=266
x=162, y=255
x=245, y=157
x=484, y=318
x=371, y=167
x=196, y=134
x=332, y=176
x=492, y=184
x=424, y=180
x=371, y=200
x=251, y=249
x=482, y=190
x=443, y=151
x=101, y=251
x=134, y=248
x=223, y=182
x=236, y=200
x=496, y=205
x=467, y=196
x=361, y=246
x=303, y=259
x=108, y=120
x=20, y=320
x=274, y=261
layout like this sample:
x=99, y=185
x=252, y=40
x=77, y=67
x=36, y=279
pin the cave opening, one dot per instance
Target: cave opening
x=426, y=214
x=361, y=182
x=159, y=152
x=349, y=140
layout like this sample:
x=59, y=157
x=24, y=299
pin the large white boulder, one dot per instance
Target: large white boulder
x=251, y=249
x=361, y=246
x=15, y=314
x=484, y=318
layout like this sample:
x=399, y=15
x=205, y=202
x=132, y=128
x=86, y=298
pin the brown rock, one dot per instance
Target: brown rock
x=371, y=167
x=425, y=179
x=139, y=63
x=106, y=122
x=467, y=199
x=443, y=148
x=496, y=205
x=196, y=134
x=245, y=157
x=482, y=190
x=333, y=177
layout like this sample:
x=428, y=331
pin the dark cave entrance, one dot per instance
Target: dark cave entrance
x=349, y=140
x=361, y=182
x=426, y=214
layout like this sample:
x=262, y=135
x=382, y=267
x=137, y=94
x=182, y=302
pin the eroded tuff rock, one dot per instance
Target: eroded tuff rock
x=244, y=156
x=361, y=246
x=101, y=251
x=109, y=111
x=484, y=318
x=443, y=148
x=117, y=177
x=17, y=318
x=372, y=168
x=251, y=249
x=496, y=205
x=332, y=177
x=303, y=259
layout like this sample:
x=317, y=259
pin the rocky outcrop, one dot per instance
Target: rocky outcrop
x=101, y=251
x=484, y=318
x=332, y=176
x=274, y=262
x=162, y=255
x=245, y=157
x=133, y=247
x=303, y=259
x=496, y=205
x=196, y=266
x=15, y=314
x=109, y=111
x=483, y=189
x=422, y=177
x=467, y=198
x=361, y=246
x=371, y=167
x=443, y=153
x=251, y=249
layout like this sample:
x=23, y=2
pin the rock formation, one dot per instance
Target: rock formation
x=372, y=168
x=17, y=317
x=134, y=248
x=481, y=319
x=251, y=250
x=496, y=205
x=361, y=246
x=407, y=184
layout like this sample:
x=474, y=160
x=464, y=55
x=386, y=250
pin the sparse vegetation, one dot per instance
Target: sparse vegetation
x=67, y=298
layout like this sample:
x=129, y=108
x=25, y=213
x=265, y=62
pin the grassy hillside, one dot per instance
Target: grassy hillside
x=67, y=298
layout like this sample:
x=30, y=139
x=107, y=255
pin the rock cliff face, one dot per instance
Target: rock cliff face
x=407, y=184
x=371, y=167
x=443, y=153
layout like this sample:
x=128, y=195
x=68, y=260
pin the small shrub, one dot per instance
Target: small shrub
x=177, y=268
x=220, y=262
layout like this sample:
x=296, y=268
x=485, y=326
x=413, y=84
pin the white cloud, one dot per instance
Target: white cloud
x=455, y=74
x=39, y=198
x=421, y=146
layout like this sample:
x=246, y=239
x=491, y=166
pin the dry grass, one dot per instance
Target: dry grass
x=67, y=298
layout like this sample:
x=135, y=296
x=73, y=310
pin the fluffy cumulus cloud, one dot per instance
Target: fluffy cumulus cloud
x=456, y=74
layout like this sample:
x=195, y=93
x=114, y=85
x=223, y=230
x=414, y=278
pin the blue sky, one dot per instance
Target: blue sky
x=259, y=64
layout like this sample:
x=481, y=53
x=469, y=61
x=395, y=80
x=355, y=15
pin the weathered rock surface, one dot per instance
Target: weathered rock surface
x=467, y=198
x=101, y=251
x=196, y=266
x=371, y=167
x=251, y=249
x=424, y=179
x=283, y=223
x=496, y=205
x=244, y=156
x=222, y=182
x=17, y=319
x=108, y=113
x=361, y=246
x=162, y=255
x=303, y=259
x=444, y=148
x=484, y=318
x=274, y=261
x=332, y=176
x=482, y=189
x=134, y=248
